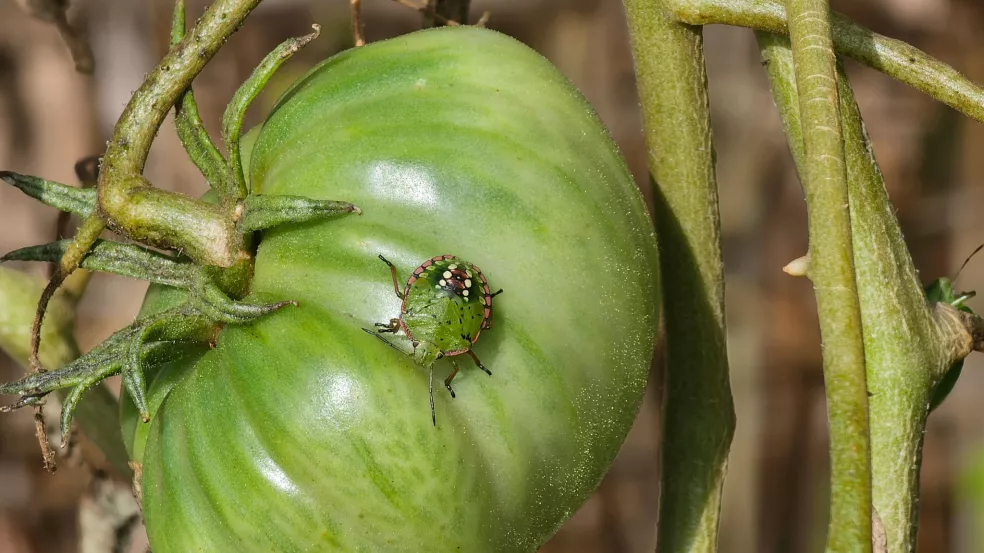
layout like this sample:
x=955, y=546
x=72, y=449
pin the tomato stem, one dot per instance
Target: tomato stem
x=893, y=57
x=698, y=407
x=823, y=174
x=909, y=343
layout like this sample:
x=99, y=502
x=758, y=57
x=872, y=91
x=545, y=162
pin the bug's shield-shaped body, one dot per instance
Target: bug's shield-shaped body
x=447, y=303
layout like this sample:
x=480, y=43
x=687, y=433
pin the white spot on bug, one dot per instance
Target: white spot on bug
x=465, y=293
x=443, y=283
x=438, y=285
x=452, y=267
x=467, y=283
x=447, y=274
x=468, y=273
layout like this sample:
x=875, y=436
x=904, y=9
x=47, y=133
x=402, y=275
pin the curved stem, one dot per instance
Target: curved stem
x=699, y=417
x=895, y=58
x=127, y=202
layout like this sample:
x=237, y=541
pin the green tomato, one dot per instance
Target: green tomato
x=301, y=432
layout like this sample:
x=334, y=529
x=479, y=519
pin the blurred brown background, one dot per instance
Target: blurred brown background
x=775, y=495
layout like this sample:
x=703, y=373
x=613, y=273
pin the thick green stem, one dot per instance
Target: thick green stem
x=892, y=57
x=831, y=269
x=908, y=343
x=127, y=202
x=699, y=417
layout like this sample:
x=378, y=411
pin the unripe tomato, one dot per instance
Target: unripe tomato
x=302, y=432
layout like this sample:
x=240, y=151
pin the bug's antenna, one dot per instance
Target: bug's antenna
x=500, y=289
x=966, y=261
x=430, y=386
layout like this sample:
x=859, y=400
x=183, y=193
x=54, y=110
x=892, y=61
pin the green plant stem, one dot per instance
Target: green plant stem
x=128, y=203
x=699, y=417
x=831, y=269
x=908, y=343
x=892, y=57
x=98, y=413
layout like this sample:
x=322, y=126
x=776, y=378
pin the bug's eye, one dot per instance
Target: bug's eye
x=440, y=355
x=415, y=344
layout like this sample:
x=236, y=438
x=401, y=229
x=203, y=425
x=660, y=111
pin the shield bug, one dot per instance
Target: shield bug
x=941, y=291
x=446, y=306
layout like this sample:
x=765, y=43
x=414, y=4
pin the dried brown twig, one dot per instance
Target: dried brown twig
x=358, y=29
x=430, y=12
x=55, y=12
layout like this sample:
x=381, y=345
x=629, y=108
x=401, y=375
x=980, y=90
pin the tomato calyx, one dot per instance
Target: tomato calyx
x=211, y=243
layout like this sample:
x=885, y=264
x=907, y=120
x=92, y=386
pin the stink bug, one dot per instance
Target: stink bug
x=446, y=306
x=941, y=291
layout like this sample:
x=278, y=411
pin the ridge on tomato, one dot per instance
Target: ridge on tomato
x=300, y=432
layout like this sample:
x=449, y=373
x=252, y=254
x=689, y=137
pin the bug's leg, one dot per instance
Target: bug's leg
x=430, y=387
x=479, y=363
x=393, y=326
x=396, y=282
x=447, y=381
x=962, y=298
x=488, y=322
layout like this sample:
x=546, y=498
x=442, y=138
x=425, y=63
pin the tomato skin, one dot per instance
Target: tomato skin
x=303, y=433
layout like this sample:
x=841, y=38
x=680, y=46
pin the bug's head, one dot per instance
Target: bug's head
x=425, y=353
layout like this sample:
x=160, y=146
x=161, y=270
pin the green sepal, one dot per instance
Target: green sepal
x=266, y=211
x=232, y=119
x=147, y=340
x=191, y=131
x=215, y=304
x=106, y=256
x=81, y=201
x=133, y=376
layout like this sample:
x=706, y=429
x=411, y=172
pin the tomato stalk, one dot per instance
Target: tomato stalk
x=910, y=343
x=823, y=174
x=699, y=416
x=895, y=58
